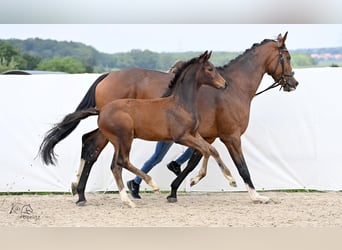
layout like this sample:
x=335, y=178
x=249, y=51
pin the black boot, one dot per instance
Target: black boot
x=174, y=167
x=133, y=189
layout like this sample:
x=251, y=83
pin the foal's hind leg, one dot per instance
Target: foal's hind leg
x=117, y=172
x=124, y=156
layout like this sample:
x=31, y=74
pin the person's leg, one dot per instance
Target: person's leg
x=160, y=151
x=174, y=166
x=185, y=156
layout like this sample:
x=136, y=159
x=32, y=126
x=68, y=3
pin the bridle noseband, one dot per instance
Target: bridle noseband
x=281, y=79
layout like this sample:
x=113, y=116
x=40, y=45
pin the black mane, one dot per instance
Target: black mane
x=255, y=45
x=178, y=74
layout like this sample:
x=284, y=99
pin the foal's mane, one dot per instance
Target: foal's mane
x=247, y=51
x=178, y=75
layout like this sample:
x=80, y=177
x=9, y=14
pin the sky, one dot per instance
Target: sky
x=113, y=38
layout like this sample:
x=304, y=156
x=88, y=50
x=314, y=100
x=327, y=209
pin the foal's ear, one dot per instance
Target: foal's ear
x=209, y=55
x=202, y=57
x=282, y=39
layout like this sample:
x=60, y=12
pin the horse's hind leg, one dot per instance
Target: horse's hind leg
x=92, y=145
x=192, y=163
x=234, y=147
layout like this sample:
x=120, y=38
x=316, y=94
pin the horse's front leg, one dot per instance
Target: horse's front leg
x=234, y=147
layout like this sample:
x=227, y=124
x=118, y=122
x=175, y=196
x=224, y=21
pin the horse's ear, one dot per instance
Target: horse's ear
x=282, y=39
x=203, y=57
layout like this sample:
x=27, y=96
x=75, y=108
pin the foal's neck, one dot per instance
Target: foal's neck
x=186, y=90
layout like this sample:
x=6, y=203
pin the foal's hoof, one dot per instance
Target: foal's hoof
x=81, y=203
x=171, y=199
x=74, y=188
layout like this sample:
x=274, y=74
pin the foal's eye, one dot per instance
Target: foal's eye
x=210, y=69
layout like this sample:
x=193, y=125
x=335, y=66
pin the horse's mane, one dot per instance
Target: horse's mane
x=255, y=45
x=178, y=74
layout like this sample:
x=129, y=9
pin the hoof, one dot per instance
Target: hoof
x=171, y=199
x=233, y=184
x=74, y=188
x=194, y=181
x=265, y=200
x=81, y=203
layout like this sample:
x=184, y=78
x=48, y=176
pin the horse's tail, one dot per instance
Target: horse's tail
x=60, y=131
x=88, y=100
x=55, y=135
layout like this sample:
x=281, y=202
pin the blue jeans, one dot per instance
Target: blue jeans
x=162, y=148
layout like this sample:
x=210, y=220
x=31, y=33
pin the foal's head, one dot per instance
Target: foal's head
x=203, y=71
x=280, y=66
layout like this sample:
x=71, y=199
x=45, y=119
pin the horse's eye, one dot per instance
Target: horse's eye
x=210, y=69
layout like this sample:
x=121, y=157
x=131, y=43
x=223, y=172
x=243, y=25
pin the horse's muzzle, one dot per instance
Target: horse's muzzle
x=289, y=86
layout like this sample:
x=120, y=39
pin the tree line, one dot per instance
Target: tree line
x=74, y=57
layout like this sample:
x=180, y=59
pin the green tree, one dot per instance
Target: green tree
x=64, y=64
x=302, y=60
x=31, y=62
x=9, y=56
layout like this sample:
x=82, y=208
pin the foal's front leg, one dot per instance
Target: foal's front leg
x=147, y=178
x=206, y=149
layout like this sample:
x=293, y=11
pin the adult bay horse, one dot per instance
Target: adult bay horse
x=227, y=117
x=172, y=118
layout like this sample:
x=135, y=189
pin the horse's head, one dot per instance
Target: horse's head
x=207, y=73
x=280, y=66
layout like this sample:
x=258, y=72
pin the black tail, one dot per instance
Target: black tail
x=65, y=127
x=88, y=100
x=60, y=131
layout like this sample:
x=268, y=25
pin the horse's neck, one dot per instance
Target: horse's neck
x=185, y=93
x=246, y=73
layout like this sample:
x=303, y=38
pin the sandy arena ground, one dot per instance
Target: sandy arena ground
x=193, y=209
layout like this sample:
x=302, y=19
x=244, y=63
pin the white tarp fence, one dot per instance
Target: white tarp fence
x=293, y=140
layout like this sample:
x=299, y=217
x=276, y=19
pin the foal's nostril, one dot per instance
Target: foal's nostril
x=225, y=84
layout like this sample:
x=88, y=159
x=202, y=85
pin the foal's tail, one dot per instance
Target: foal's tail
x=60, y=131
